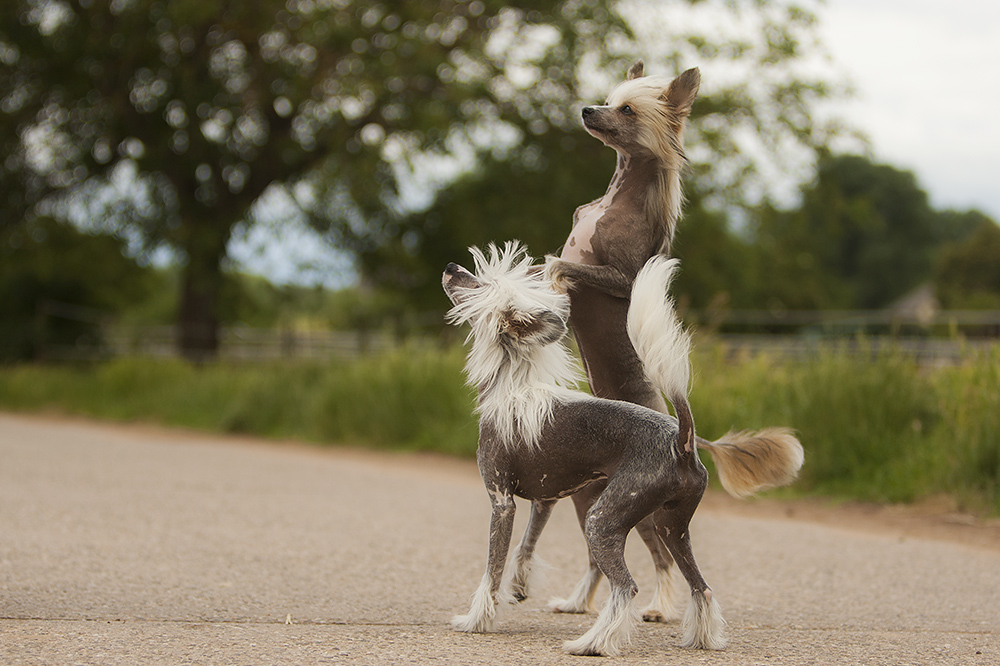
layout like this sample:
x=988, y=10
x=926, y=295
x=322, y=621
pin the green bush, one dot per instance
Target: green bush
x=968, y=440
x=411, y=399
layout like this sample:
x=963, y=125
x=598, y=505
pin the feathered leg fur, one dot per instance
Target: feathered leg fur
x=490, y=595
x=612, y=630
x=703, y=626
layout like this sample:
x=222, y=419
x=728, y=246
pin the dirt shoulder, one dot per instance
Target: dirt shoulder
x=934, y=519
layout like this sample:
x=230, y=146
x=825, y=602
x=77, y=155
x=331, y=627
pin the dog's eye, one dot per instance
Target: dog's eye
x=627, y=110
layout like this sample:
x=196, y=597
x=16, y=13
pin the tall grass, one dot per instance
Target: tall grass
x=875, y=426
x=868, y=425
x=968, y=437
x=412, y=399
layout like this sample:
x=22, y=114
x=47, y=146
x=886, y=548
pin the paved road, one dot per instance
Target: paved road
x=133, y=545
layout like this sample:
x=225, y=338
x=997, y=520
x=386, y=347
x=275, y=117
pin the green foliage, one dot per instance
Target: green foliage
x=864, y=235
x=969, y=397
x=528, y=174
x=719, y=268
x=968, y=272
x=527, y=197
x=412, y=399
x=47, y=266
x=168, y=122
x=874, y=425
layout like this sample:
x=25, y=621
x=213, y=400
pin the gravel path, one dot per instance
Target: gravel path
x=138, y=545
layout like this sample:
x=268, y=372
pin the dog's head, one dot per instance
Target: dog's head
x=645, y=113
x=507, y=301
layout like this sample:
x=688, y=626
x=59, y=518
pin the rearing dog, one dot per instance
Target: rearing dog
x=542, y=441
x=612, y=238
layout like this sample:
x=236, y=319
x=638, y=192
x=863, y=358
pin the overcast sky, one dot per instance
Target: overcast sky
x=927, y=78
x=927, y=74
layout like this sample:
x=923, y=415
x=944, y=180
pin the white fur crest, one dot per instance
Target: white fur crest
x=519, y=376
x=659, y=127
x=658, y=121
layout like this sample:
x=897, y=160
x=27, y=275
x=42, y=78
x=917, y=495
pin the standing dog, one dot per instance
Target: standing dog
x=611, y=240
x=541, y=441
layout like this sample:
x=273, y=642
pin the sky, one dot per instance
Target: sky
x=927, y=79
x=926, y=75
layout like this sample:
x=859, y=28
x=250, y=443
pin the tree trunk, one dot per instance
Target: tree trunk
x=197, y=319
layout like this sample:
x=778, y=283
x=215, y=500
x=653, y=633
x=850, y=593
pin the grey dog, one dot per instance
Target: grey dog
x=612, y=238
x=541, y=440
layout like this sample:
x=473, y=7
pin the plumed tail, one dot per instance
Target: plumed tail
x=748, y=462
x=661, y=342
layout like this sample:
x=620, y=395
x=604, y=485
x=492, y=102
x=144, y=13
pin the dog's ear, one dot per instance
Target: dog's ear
x=635, y=71
x=681, y=92
x=538, y=328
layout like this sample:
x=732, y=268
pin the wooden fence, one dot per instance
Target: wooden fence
x=941, y=337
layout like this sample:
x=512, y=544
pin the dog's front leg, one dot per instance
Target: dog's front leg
x=564, y=274
x=487, y=597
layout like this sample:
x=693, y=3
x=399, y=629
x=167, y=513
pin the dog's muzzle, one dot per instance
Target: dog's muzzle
x=456, y=278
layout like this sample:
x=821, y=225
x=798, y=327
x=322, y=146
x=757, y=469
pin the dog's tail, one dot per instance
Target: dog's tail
x=661, y=342
x=748, y=462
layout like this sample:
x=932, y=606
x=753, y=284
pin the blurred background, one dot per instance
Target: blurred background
x=280, y=182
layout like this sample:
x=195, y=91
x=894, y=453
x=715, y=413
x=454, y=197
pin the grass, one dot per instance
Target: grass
x=875, y=428
x=412, y=399
x=869, y=426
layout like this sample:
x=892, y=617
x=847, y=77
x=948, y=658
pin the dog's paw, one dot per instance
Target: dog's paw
x=584, y=648
x=555, y=272
x=654, y=615
x=472, y=623
x=558, y=605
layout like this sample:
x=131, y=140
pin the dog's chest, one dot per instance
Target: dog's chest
x=579, y=247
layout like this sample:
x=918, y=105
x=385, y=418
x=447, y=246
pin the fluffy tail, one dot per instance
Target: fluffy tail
x=661, y=342
x=748, y=462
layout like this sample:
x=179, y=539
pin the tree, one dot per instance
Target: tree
x=530, y=187
x=968, y=271
x=865, y=234
x=167, y=122
x=57, y=283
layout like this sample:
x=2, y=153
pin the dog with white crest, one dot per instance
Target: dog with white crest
x=612, y=238
x=542, y=440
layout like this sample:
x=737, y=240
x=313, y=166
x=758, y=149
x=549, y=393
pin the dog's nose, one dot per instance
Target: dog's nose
x=587, y=110
x=451, y=268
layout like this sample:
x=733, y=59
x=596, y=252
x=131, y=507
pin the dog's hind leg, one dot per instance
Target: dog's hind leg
x=524, y=553
x=581, y=599
x=703, y=625
x=608, y=525
x=668, y=599
x=488, y=597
